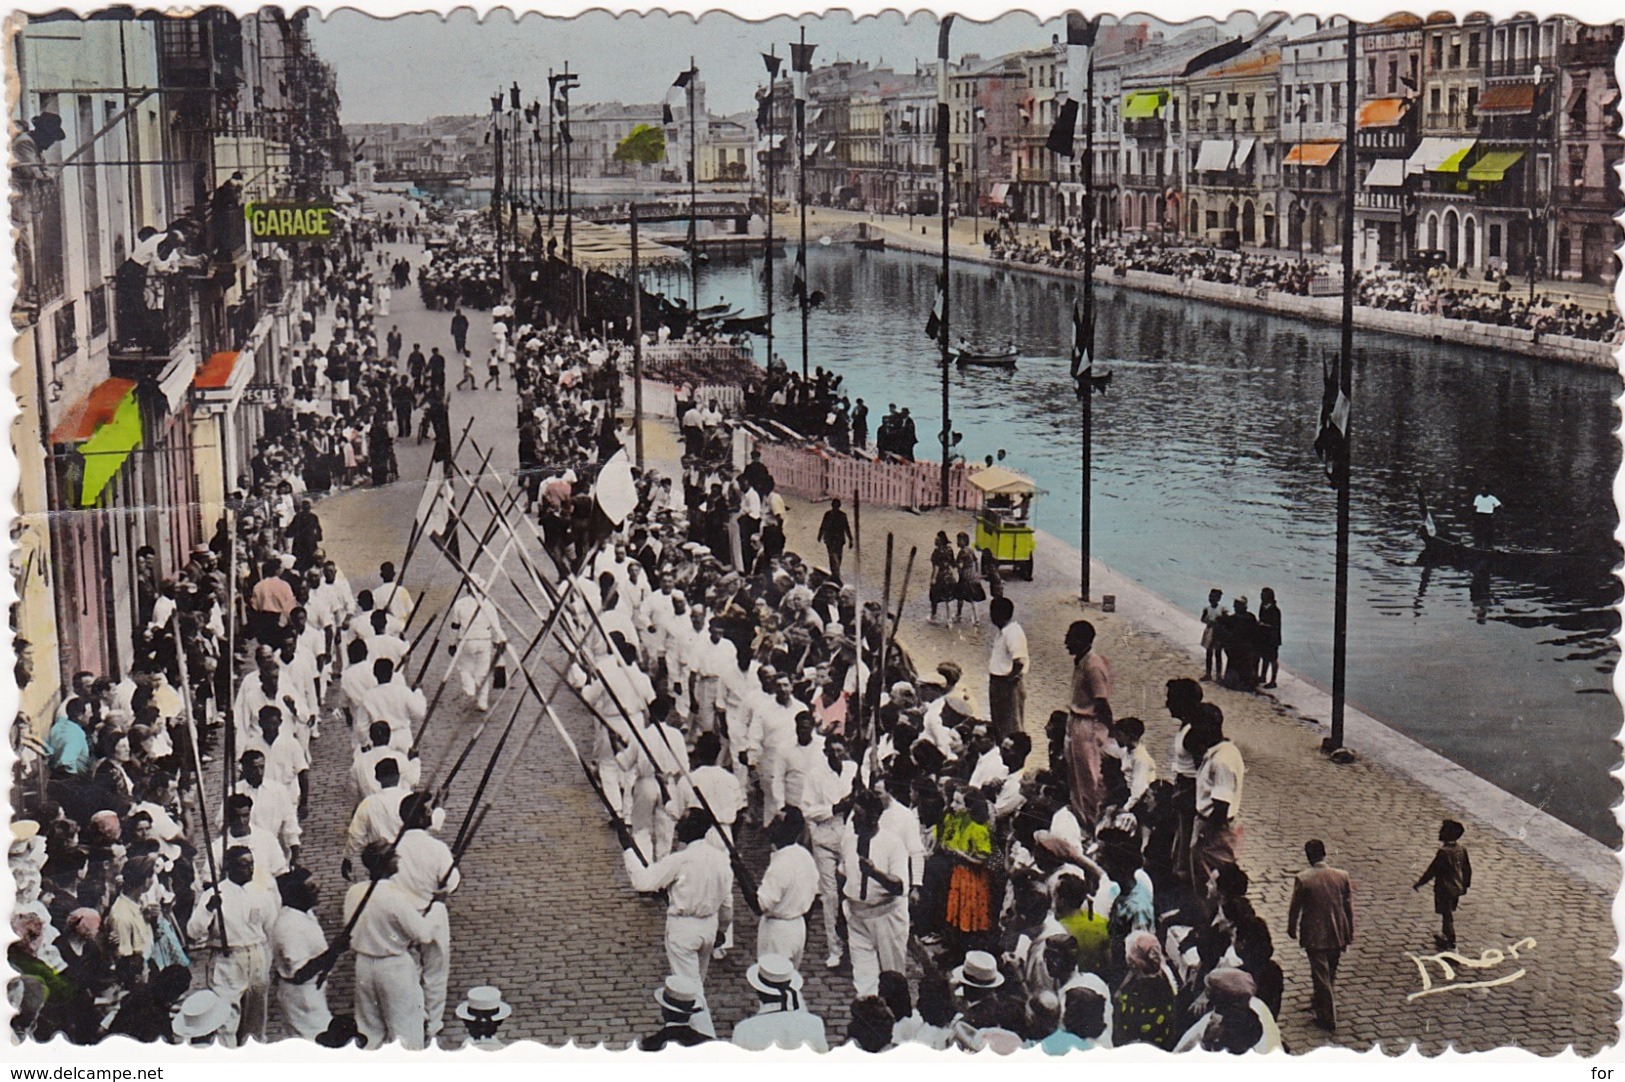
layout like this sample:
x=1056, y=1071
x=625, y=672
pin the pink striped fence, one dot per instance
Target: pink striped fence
x=818, y=474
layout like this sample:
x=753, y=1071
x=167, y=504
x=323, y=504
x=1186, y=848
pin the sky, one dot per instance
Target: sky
x=412, y=67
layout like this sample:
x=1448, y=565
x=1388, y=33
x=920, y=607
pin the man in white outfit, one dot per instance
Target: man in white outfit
x=428, y=871
x=874, y=884
x=297, y=948
x=782, y=1018
x=388, y=986
x=479, y=642
x=770, y=736
x=696, y=879
x=787, y=890
x=825, y=791
x=240, y=971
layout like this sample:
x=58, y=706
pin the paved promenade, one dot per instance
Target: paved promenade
x=1379, y=824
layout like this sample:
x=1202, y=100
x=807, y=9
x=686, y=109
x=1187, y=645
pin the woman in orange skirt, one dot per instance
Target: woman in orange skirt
x=966, y=836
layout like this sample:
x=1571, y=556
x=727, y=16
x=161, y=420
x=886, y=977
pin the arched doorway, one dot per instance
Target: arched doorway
x=1249, y=221
x=1269, y=227
x=1128, y=210
x=1469, y=242
x=1161, y=211
x=1452, y=238
x=1294, y=226
x=1432, y=232
x=1317, y=228
x=1196, y=216
x=1232, y=215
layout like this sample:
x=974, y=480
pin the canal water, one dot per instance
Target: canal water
x=1205, y=477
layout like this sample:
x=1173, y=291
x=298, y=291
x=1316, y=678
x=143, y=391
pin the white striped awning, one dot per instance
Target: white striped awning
x=1215, y=155
x=1386, y=173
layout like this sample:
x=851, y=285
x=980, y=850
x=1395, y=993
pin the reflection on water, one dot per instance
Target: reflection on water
x=1205, y=477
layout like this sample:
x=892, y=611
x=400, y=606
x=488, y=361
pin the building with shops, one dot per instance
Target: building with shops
x=1232, y=140
x=152, y=332
x=1387, y=128
x=1306, y=140
x=1586, y=196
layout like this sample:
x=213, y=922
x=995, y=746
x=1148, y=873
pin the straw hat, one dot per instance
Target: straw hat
x=979, y=971
x=484, y=1004
x=203, y=1013
x=679, y=995
x=772, y=974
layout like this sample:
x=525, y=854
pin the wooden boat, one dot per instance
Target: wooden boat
x=870, y=244
x=745, y=325
x=971, y=358
x=717, y=311
x=1440, y=548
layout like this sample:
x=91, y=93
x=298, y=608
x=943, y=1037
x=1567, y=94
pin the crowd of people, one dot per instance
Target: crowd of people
x=461, y=270
x=976, y=891
x=1431, y=292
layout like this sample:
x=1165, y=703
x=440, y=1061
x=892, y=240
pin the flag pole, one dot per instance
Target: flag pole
x=942, y=328
x=804, y=65
x=1345, y=377
x=772, y=190
x=693, y=193
x=1086, y=403
x=637, y=341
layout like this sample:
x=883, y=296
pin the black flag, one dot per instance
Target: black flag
x=666, y=119
x=1060, y=136
x=801, y=57
x=771, y=62
x=798, y=285
x=764, y=112
x=933, y=325
x=1081, y=31
x=1083, y=361
x=683, y=79
x=1334, y=420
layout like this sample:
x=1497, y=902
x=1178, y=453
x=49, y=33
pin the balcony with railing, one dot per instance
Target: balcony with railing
x=1585, y=197
x=1459, y=121
x=1596, y=45
x=1149, y=127
x=152, y=315
x=1155, y=181
x=1514, y=67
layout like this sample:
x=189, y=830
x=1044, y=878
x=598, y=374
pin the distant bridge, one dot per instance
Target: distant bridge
x=665, y=210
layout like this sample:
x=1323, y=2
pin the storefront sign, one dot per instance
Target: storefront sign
x=289, y=222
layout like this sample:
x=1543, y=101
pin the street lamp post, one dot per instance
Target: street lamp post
x=1529, y=172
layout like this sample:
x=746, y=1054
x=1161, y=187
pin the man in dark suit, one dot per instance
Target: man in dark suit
x=1321, y=919
x=835, y=531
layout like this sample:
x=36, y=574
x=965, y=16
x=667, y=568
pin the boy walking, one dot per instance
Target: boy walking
x=1451, y=874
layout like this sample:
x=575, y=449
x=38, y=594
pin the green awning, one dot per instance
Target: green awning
x=1453, y=163
x=1492, y=167
x=107, y=448
x=1143, y=104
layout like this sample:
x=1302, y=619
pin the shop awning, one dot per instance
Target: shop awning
x=1313, y=154
x=1143, y=104
x=1576, y=103
x=1508, y=99
x=215, y=372
x=1434, y=152
x=107, y=427
x=1215, y=155
x=998, y=481
x=1454, y=163
x=998, y=193
x=1492, y=167
x=1386, y=173
x=1244, y=151
x=829, y=147
x=1381, y=112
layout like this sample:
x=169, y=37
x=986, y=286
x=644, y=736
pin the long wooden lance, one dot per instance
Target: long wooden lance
x=457, y=523
x=197, y=776
x=416, y=535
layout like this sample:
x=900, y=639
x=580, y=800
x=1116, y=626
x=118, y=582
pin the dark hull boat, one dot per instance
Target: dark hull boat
x=973, y=359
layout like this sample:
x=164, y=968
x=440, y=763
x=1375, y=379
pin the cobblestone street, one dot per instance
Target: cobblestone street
x=545, y=912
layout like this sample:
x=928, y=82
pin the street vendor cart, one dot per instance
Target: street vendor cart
x=1004, y=531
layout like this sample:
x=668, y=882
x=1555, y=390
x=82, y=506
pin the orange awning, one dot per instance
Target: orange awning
x=1508, y=98
x=92, y=412
x=215, y=372
x=1382, y=112
x=1315, y=154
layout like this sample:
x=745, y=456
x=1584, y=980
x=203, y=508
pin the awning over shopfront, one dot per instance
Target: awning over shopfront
x=1456, y=160
x=1386, y=173
x=1492, y=167
x=998, y=193
x=107, y=427
x=1143, y=104
x=829, y=147
x=1381, y=112
x=1244, y=151
x=1435, y=151
x=1317, y=155
x=1215, y=155
x=1508, y=99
